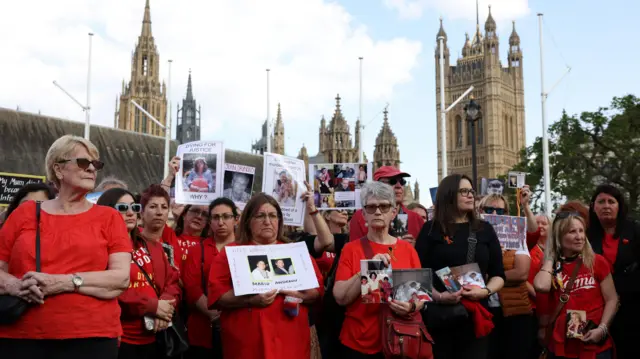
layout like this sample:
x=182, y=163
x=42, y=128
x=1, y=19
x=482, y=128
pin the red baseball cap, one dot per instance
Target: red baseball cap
x=388, y=172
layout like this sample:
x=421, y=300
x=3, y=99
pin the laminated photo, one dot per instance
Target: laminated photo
x=450, y=282
x=376, y=283
x=199, y=180
x=516, y=179
x=283, y=178
x=238, y=183
x=576, y=324
x=412, y=285
x=337, y=185
x=468, y=275
x=511, y=231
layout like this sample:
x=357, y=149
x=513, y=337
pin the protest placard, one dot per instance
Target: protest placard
x=511, y=231
x=11, y=183
x=283, y=178
x=337, y=185
x=238, y=183
x=198, y=181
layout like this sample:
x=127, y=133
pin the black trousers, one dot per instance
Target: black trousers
x=511, y=337
x=203, y=353
x=93, y=348
x=348, y=353
x=135, y=351
x=459, y=343
x=604, y=355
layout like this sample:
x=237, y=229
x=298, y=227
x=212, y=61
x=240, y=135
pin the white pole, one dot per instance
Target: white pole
x=360, y=149
x=87, y=125
x=443, y=114
x=268, y=115
x=167, y=129
x=545, y=139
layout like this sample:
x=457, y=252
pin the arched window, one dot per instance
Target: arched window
x=136, y=123
x=458, y=131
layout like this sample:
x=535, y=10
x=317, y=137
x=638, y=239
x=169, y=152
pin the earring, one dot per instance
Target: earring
x=366, y=224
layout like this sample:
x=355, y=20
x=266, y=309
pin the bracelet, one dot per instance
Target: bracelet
x=313, y=213
x=604, y=329
x=546, y=271
x=489, y=291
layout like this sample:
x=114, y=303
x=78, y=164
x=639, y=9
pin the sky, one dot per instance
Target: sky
x=312, y=48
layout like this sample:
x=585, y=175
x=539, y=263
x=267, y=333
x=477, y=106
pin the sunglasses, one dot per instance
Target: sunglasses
x=465, y=192
x=394, y=181
x=490, y=210
x=84, y=163
x=372, y=208
x=124, y=207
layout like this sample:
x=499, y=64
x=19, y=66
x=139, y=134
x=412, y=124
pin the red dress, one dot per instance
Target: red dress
x=266, y=333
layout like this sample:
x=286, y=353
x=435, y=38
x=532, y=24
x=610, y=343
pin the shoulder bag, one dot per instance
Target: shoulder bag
x=12, y=308
x=440, y=315
x=564, y=298
x=402, y=337
x=173, y=341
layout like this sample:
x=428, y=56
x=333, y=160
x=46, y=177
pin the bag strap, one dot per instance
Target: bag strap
x=146, y=275
x=471, y=248
x=564, y=298
x=38, y=210
x=203, y=282
x=366, y=247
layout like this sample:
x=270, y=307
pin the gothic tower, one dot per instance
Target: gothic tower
x=188, y=127
x=304, y=155
x=277, y=141
x=145, y=87
x=386, y=152
x=335, y=138
x=500, y=132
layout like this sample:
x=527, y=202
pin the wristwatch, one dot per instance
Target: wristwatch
x=77, y=282
x=489, y=291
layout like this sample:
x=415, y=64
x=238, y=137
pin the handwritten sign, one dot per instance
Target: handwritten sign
x=511, y=231
x=11, y=183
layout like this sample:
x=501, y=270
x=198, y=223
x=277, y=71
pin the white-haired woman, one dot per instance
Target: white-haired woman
x=361, y=334
x=85, y=262
x=567, y=252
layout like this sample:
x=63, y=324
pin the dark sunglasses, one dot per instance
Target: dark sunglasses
x=566, y=214
x=84, y=163
x=466, y=192
x=372, y=208
x=394, y=181
x=490, y=210
x=124, y=207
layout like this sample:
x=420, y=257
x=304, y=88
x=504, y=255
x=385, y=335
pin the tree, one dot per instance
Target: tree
x=588, y=150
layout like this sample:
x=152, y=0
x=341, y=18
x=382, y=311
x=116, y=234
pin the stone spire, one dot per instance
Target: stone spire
x=189, y=88
x=146, y=21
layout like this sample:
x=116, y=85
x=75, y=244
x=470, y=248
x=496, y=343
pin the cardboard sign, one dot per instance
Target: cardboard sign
x=11, y=183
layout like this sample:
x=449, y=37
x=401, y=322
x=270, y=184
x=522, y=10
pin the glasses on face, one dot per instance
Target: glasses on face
x=223, y=216
x=566, y=214
x=83, y=163
x=490, y=210
x=465, y=192
x=273, y=216
x=196, y=212
x=394, y=181
x=124, y=207
x=372, y=208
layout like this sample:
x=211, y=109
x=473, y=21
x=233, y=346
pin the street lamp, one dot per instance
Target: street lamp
x=472, y=110
x=167, y=134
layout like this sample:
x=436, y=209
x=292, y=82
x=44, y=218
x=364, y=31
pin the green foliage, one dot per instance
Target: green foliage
x=588, y=150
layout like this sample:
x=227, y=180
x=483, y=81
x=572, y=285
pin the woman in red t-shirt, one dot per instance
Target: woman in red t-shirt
x=203, y=325
x=144, y=313
x=189, y=226
x=85, y=259
x=592, y=291
x=257, y=326
x=361, y=334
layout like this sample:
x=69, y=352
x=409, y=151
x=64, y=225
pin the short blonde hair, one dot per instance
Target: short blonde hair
x=559, y=228
x=494, y=197
x=62, y=148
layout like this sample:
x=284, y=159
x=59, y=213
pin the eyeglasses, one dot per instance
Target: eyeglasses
x=84, y=163
x=566, y=214
x=273, y=216
x=124, y=207
x=490, y=210
x=224, y=217
x=394, y=181
x=372, y=208
x=197, y=212
x=465, y=192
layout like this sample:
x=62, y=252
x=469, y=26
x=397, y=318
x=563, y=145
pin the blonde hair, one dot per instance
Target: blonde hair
x=494, y=197
x=559, y=228
x=62, y=148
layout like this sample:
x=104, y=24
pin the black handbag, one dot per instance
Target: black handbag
x=440, y=316
x=173, y=340
x=12, y=308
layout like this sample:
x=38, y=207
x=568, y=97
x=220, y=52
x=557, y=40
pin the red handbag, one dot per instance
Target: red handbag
x=405, y=337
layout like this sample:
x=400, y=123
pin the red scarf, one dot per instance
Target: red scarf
x=482, y=319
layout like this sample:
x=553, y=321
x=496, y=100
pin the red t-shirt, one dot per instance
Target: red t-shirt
x=585, y=295
x=133, y=331
x=541, y=301
x=267, y=332
x=361, y=327
x=610, y=249
x=325, y=262
x=185, y=242
x=69, y=244
x=358, y=228
x=198, y=324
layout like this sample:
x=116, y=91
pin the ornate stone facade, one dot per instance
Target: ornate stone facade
x=335, y=144
x=499, y=90
x=277, y=137
x=386, y=152
x=188, y=127
x=144, y=88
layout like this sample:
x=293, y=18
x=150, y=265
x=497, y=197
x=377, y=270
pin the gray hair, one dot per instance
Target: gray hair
x=378, y=190
x=111, y=182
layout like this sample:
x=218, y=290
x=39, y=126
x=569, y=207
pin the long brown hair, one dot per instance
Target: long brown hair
x=253, y=206
x=446, y=207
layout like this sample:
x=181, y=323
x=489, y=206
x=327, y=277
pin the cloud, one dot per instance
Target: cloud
x=460, y=9
x=312, y=48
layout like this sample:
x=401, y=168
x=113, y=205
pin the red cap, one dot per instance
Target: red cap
x=389, y=172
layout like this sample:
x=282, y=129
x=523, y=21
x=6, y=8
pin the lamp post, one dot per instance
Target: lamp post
x=166, y=130
x=472, y=110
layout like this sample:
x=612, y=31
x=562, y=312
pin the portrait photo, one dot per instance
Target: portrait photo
x=259, y=267
x=237, y=186
x=199, y=172
x=285, y=188
x=282, y=266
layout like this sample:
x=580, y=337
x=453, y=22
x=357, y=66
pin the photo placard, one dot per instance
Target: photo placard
x=199, y=179
x=283, y=178
x=238, y=183
x=511, y=231
x=337, y=185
